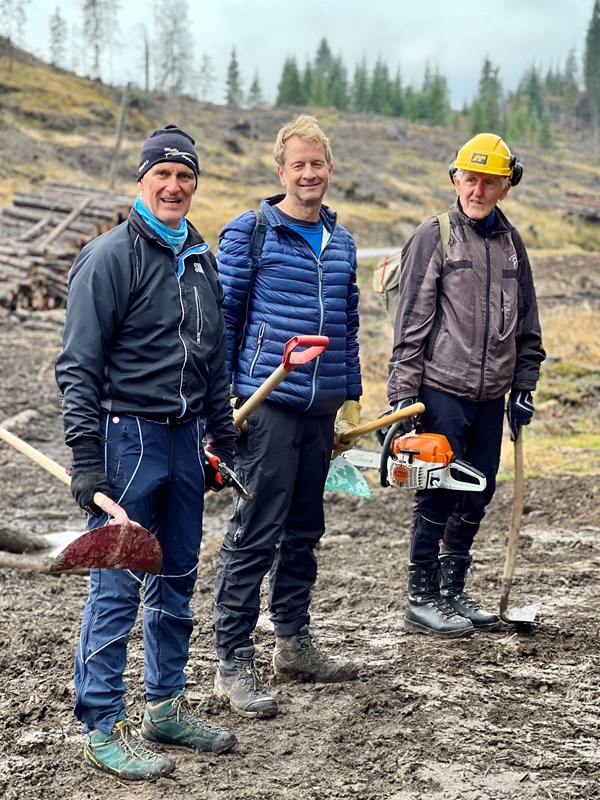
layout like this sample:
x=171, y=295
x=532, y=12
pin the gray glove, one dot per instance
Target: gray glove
x=410, y=423
x=88, y=475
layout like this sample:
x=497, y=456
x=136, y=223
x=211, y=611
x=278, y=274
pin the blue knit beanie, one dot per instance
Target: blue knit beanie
x=168, y=144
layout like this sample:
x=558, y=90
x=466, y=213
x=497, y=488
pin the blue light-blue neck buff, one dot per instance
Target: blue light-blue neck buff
x=174, y=237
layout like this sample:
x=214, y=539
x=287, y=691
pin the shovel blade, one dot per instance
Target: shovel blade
x=344, y=477
x=125, y=545
x=525, y=614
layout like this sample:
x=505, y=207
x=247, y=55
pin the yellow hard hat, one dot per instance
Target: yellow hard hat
x=487, y=153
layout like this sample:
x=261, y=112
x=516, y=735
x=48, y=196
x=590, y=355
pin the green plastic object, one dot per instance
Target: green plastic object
x=344, y=477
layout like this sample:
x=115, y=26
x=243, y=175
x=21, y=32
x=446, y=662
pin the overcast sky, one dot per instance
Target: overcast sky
x=453, y=36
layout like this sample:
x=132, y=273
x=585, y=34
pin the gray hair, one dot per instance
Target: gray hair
x=505, y=179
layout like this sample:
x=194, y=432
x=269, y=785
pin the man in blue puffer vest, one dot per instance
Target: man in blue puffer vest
x=303, y=283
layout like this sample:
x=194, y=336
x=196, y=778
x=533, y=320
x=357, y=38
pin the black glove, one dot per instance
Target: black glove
x=410, y=423
x=519, y=411
x=381, y=433
x=213, y=479
x=88, y=475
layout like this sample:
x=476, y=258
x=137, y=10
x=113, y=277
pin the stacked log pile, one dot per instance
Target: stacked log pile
x=41, y=235
x=586, y=206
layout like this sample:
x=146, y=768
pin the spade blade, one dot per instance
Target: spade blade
x=344, y=477
x=123, y=545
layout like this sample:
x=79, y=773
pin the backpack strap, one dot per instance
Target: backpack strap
x=257, y=240
x=444, y=222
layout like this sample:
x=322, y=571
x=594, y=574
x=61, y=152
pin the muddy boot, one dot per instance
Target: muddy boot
x=300, y=658
x=123, y=754
x=169, y=720
x=453, y=572
x=426, y=610
x=238, y=682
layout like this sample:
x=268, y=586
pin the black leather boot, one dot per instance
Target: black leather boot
x=426, y=610
x=453, y=573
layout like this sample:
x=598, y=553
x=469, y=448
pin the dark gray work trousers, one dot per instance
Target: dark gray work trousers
x=283, y=458
x=445, y=520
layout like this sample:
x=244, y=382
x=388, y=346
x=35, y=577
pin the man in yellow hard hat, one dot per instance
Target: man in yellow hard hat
x=466, y=335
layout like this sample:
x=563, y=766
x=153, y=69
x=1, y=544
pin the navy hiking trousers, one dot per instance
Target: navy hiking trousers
x=156, y=473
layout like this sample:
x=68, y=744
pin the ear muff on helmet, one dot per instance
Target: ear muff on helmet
x=516, y=170
x=452, y=171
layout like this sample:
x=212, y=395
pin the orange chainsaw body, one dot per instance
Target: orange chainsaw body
x=426, y=460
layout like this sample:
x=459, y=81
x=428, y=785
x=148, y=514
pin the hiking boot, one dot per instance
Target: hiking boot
x=170, y=721
x=426, y=610
x=453, y=573
x=121, y=753
x=238, y=682
x=300, y=658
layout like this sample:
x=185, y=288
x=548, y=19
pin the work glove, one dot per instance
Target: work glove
x=519, y=411
x=346, y=420
x=88, y=475
x=213, y=479
x=381, y=433
x=410, y=423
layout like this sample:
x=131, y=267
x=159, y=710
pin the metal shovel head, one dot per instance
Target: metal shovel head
x=524, y=615
x=343, y=477
x=124, y=545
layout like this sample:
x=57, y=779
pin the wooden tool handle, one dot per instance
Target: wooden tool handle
x=383, y=422
x=512, y=545
x=264, y=390
x=101, y=500
x=35, y=455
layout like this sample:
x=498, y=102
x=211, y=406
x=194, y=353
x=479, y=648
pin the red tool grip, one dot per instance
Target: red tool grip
x=315, y=345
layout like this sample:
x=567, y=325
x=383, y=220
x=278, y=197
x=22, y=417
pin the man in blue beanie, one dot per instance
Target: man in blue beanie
x=143, y=378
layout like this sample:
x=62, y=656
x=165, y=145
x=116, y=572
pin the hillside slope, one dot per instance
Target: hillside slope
x=389, y=173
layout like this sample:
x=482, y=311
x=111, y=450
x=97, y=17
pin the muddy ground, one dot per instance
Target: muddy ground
x=505, y=715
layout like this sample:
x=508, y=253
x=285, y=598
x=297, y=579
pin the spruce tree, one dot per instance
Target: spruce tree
x=486, y=111
x=337, y=86
x=570, y=89
x=233, y=84
x=360, y=88
x=255, y=95
x=290, y=91
x=58, y=38
x=380, y=100
x=591, y=69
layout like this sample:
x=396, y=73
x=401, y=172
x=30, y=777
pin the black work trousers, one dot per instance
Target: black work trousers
x=283, y=458
x=445, y=521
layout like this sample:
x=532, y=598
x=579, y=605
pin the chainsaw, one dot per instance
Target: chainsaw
x=419, y=461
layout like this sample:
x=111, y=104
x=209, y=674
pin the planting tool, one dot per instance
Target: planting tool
x=343, y=475
x=121, y=544
x=315, y=346
x=527, y=613
x=226, y=476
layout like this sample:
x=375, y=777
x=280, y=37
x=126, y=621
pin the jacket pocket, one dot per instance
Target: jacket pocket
x=199, y=315
x=259, y=343
x=507, y=313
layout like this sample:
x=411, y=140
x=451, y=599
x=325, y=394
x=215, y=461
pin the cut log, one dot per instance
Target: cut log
x=15, y=541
